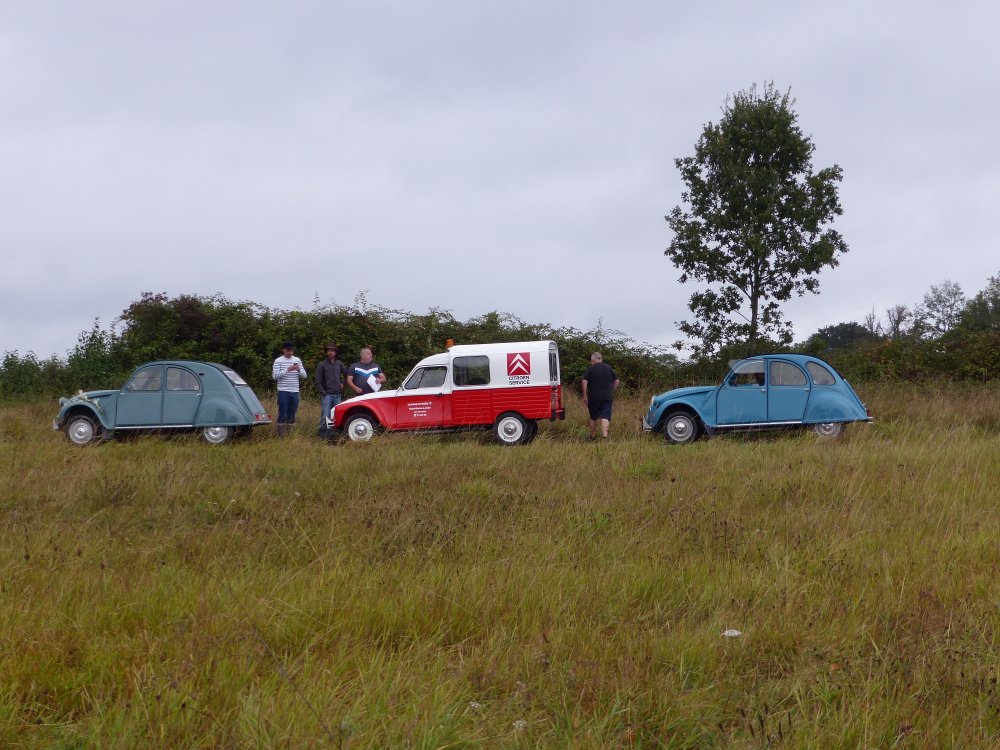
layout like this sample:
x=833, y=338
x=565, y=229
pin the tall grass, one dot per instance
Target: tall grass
x=444, y=592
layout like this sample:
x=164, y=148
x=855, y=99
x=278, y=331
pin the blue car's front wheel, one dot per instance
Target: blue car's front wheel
x=680, y=427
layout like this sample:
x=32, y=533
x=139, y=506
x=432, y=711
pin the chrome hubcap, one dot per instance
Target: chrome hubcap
x=216, y=434
x=510, y=430
x=81, y=432
x=360, y=430
x=679, y=428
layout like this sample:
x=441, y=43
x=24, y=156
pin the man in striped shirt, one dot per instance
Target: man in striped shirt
x=287, y=371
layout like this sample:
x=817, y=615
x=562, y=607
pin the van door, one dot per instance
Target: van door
x=421, y=403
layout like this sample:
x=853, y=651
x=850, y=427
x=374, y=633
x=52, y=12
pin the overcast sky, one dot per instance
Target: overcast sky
x=474, y=156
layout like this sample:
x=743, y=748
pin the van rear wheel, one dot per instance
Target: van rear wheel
x=510, y=429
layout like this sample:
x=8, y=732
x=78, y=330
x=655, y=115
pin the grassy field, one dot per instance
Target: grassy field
x=436, y=592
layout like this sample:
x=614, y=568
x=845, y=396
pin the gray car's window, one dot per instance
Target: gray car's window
x=820, y=375
x=748, y=374
x=149, y=379
x=785, y=373
x=472, y=370
x=179, y=379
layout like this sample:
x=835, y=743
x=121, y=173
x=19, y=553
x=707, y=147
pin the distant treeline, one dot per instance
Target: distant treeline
x=248, y=336
x=946, y=336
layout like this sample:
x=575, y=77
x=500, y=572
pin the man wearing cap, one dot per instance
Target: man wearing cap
x=329, y=382
x=287, y=371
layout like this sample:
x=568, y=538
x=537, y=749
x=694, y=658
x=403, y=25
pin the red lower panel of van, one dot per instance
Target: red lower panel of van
x=484, y=405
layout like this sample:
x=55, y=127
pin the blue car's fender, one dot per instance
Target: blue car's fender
x=698, y=400
x=833, y=405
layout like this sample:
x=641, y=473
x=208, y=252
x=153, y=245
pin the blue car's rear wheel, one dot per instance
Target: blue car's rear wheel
x=829, y=429
x=680, y=427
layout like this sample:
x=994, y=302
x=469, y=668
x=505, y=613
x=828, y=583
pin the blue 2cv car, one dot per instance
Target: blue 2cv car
x=768, y=391
x=176, y=395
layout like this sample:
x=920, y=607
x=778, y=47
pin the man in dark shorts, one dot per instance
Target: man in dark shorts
x=599, y=384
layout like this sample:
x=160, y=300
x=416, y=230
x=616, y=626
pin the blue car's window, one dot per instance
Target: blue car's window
x=181, y=380
x=748, y=374
x=426, y=377
x=785, y=373
x=820, y=375
x=149, y=379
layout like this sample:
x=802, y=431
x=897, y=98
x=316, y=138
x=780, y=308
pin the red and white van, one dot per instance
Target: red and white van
x=506, y=387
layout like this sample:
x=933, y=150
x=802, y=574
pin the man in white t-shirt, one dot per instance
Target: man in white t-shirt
x=287, y=371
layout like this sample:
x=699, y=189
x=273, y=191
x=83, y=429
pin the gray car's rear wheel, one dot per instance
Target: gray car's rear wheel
x=216, y=435
x=829, y=429
x=83, y=430
x=680, y=427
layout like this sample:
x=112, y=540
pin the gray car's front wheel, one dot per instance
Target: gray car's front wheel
x=680, y=427
x=83, y=430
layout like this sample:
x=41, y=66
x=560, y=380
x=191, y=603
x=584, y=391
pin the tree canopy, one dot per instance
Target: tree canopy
x=754, y=224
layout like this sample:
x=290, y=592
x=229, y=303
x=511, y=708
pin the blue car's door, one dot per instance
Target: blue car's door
x=140, y=402
x=742, y=398
x=181, y=398
x=787, y=392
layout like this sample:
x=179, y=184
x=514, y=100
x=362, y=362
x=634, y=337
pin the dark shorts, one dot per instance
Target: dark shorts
x=599, y=409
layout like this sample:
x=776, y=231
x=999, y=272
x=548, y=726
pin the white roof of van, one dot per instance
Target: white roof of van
x=512, y=346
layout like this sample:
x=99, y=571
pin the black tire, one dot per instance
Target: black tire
x=510, y=429
x=81, y=430
x=360, y=428
x=532, y=430
x=217, y=435
x=681, y=427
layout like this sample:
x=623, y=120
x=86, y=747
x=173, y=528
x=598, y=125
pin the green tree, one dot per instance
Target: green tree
x=755, y=221
x=941, y=309
x=982, y=313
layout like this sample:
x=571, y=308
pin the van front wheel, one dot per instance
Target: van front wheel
x=510, y=429
x=360, y=428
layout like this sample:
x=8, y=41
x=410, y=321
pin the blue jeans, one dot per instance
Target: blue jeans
x=288, y=405
x=327, y=403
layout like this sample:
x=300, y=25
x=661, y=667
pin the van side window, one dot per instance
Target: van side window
x=471, y=370
x=820, y=375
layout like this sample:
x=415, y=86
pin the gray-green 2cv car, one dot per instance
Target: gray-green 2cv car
x=175, y=395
